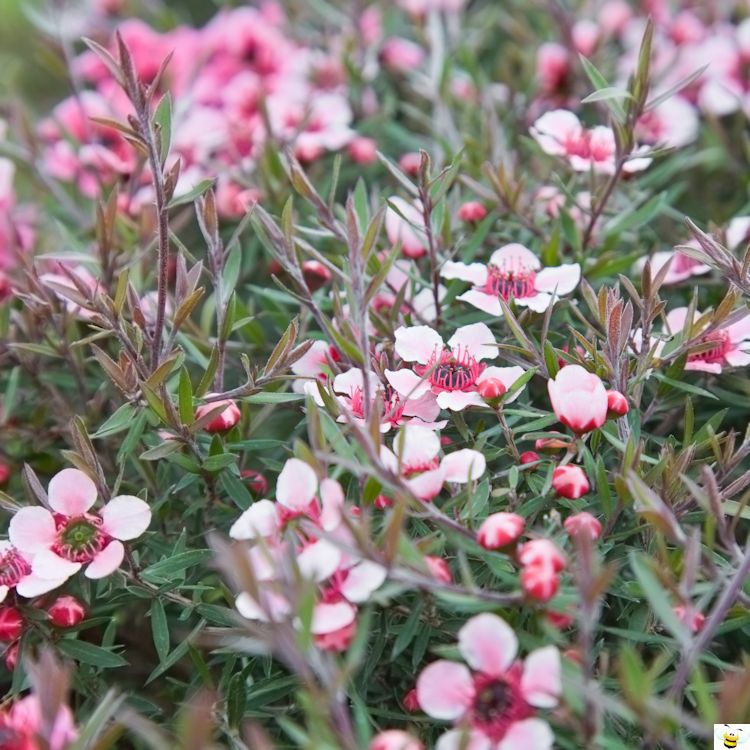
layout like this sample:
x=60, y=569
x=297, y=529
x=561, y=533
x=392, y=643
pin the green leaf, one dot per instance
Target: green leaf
x=160, y=629
x=88, y=653
x=191, y=195
x=185, y=398
x=120, y=421
x=176, y=563
x=163, y=118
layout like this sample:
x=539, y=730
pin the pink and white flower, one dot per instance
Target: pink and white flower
x=415, y=456
x=513, y=272
x=682, y=266
x=579, y=399
x=499, y=530
x=404, y=225
x=728, y=346
x=420, y=304
x=560, y=133
x=451, y=373
x=493, y=702
x=61, y=541
x=673, y=123
x=570, y=481
x=395, y=739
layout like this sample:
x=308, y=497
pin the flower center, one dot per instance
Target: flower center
x=79, y=539
x=453, y=370
x=516, y=282
x=412, y=470
x=719, y=346
x=498, y=703
x=393, y=407
x=13, y=567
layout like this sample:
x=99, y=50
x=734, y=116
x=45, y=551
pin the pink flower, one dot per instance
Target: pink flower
x=738, y=232
x=61, y=542
x=673, y=123
x=553, y=66
x=542, y=562
x=529, y=457
x=15, y=572
x=493, y=704
x=578, y=398
x=395, y=739
x=471, y=212
x=682, y=266
x=401, y=55
x=570, y=482
x=222, y=421
x=585, y=33
x=560, y=133
x=404, y=225
x=617, y=404
x=583, y=523
x=439, y=568
x=453, y=372
x=513, y=272
x=415, y=456
x=420, y=304
x=728, y=346
x=500, y=529
x=22, y=725
x=363, y=150
x=314, y=363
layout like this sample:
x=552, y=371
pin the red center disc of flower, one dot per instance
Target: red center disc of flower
x=452, y=370
x=498, y=703
x=12, y=567
x=79, y=538
x=510, y=282
x=720, y=345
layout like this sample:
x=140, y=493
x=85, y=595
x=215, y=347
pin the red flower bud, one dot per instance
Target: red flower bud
x=11, y=656
x=471, y=212
x=570, y=482
x=559, y=620
x=224, y=420
x=66, y=612
x=529, y=457
x=439, y=568
x=540, y=582
x=316, y=274
x=255, y=481
x=693, y=618
x=617, y=404
x=583, y=523
x=491, y=390
x=411, y=702
x=410, y=163
x=11, y=623
x=363, y=150
x=382, y=502
x=4, y=472
x=541, y=552
x=500, y=530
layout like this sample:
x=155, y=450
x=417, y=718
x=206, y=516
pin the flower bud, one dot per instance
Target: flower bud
x=529, y=457
x=541, y=552
x=382, y=502
x=578, y=399
x=583, y=523
x=4, y=472
x=395, y=739
x=410, y=163
x=411, y=702
x=439, y=568
x=224, y=420
x=472, y=212
x=66, y=612
x=11, y=655
x=491, y=390
x=559, y=620
x=316, y=274
x=11, y=623
x=540, y=582
x=551, y=445
x=570, y=482
x=255, y=481
x=693, y=618
x=617, y=404
x=363, y=150
x=500, y=530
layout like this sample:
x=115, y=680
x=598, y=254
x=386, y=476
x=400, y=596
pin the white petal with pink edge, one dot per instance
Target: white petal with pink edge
x=488, y=303
x=540, y=683
x=459, y=400
x=327, y=618
x=538, y=302
x=32, y=529
x=312, y=362
x=362, y=580
x=417, y=343
x=445, y=690
x=558, y=279
x=476, y=339
x=515, y=257
x=71, y=492
x=416, y=445
x=428, y=484
x=331, y=502
x=553, y=129
x=107, y=561
x=297, y=485
x=488, y=644
x=33, y=585
x=476, y=273
x=458, y=739
x=407, y=383
x=676, y=319
x=529, y=734
x=740, y=330
x=260, y=519
x=318, y=561
x=125, y=517
x=463, y=466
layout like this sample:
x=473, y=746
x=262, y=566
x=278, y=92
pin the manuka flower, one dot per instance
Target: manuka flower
x=59, y=543
x=493, y=704
x=453, y=372
x=513, y=272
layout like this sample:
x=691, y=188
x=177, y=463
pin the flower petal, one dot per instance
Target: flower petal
x=558, y=279
x=71, y=492
x=125, y=517
x=260, y=519
x=459, y=400
x=488, y=644
x=428, y=484
x=507, y=376
x=417, y=343
x=361, y=580
x=33, y=585
x=407, y=383
x=458, y=739
x=476, y=273
x=463, y=466
x=488, y=303
x=445, y=690
x=416, y=445
x=540, y=683
x=327, y=618
x=318, y=561
x=52, y=567
x=32, y=529
x=527, y=734
x=515, y=257
x=540, y=302
x=107, y=561
x=297, y=485
x=476, y=339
